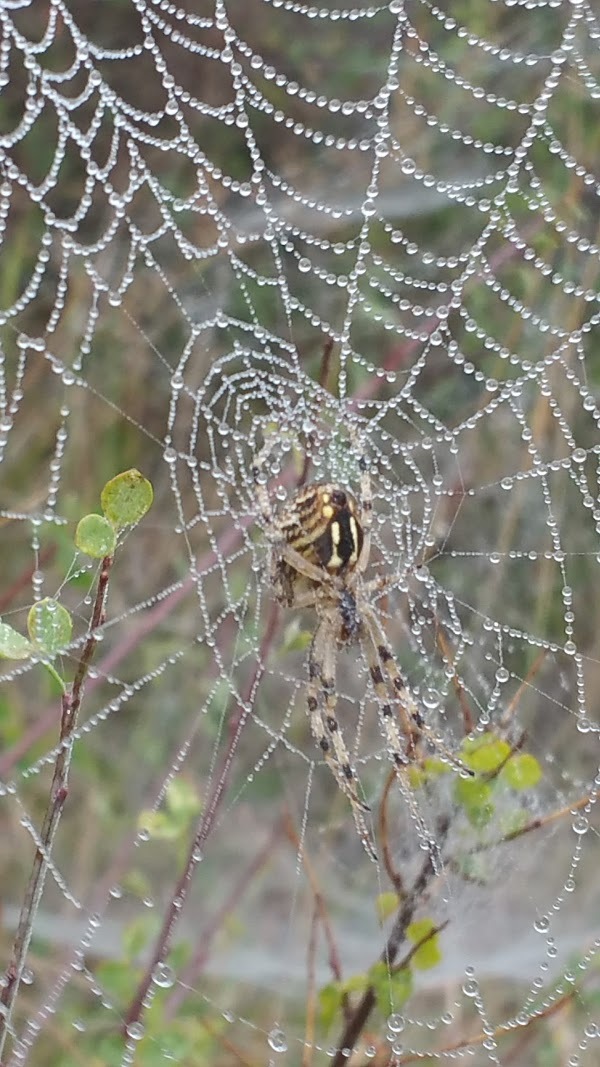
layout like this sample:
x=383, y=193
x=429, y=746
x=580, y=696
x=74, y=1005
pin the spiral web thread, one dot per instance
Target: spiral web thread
x=267, y=222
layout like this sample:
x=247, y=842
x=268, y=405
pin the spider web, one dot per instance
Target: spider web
x=224, y=224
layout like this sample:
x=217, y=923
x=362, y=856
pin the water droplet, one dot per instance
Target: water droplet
x=163, y=976
x=135, y=1031
x=430, y=699
x=396, y=1023
x=277, y=1040
x=581, y=824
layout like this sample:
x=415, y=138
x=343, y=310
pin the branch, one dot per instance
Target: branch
x=70, y=705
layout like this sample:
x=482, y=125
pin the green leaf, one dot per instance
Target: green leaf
x=401, y=987
x=181, y=804
x=138, y=884
x=126, y=498
x=12, y=644
x=356, y=983
x=95, y=536
x=434, y=767
x=522, y=771
x=137, y=935
x=330, y=999
x=115, y=976
x=49, y=626
x=159, y=825
x=474, y=868
x=429, y=954
x=182, y=798
x=475, y=798
x=391, y=990
x=513, y=821
x=484, y=754
x=417, y=777
x=295, y=638
x=386, y=904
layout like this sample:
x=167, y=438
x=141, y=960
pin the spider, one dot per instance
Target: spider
x=320, y=545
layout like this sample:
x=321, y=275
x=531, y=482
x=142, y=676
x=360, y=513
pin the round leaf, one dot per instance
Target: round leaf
x=12, y=644
x=387, y=904
x=126, y=498
x=49, y=626
x=484, y=754
x=417, y=777
x=428, y=954
x=435, y=767
x=95, y=536
x=522, y=771
x=475, y=797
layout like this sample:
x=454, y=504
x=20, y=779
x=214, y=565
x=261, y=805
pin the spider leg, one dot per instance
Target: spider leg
x=401, y=748
x=321, y=701
x=379, y=658
x=414, y=727
x=280, y=551
x=299, y=563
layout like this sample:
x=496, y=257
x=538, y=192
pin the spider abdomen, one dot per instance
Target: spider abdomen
x=322, y=525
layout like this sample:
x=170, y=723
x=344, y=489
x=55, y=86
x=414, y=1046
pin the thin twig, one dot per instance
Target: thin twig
x=404, y=962
x=516, y=700
x=468, y=723
x=189, y=976
x=479, y=1038
x=535, y=824
x=203, y=829
x=408, y=906
x=311, y=1000
x=394, y=875
x=59, y=790
x=224, y=1041
x=319, y=899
